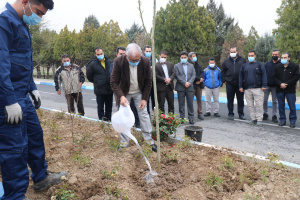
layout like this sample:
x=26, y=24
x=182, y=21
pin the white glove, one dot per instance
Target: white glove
x=13, y=114
x=36, y=97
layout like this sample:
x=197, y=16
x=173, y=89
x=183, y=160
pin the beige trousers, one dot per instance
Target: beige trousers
x=255, y=95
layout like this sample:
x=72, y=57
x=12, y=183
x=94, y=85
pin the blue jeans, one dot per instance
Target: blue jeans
x=291, y=99
x=231, y=92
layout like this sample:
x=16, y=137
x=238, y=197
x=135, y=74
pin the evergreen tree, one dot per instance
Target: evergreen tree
x=264, y=47
x=133, y=31
x=92, y=19
x=250, y=40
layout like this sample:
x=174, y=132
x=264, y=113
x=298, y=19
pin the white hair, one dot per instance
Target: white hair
x=133, y=49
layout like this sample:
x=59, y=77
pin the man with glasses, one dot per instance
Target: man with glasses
x=286, y=76
x=132, y=79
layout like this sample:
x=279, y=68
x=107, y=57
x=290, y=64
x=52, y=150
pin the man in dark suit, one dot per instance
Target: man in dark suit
x=185, y=74
x=165, y=75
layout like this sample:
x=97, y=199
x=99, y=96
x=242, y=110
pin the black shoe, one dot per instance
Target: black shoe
x=217, y=115
x=265, y=116
x=191, y=121
x=50, y=180
x=281, y=124
x=154, y=147
x=231, y=117
x=200, y=117
x=292, y=125
x=242, y=117
x=274, y=119
x=138, y=126
x=207, y=114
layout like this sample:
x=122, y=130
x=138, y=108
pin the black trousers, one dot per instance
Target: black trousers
x=106, y=100
x=151, y=97
x=231, y=92
x=136, y=116
x=77, y=97
x=163, y=95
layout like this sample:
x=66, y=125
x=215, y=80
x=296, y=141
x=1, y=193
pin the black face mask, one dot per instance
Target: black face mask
x=275, y=58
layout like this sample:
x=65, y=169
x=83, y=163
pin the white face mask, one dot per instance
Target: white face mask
x=162, y=60
x=212, y=65
x=232, y=55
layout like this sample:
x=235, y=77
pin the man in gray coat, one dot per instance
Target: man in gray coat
x=185, y=74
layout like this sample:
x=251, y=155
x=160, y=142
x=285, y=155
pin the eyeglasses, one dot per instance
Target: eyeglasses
x=134, y=61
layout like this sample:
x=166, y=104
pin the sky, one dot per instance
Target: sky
x=258, y=13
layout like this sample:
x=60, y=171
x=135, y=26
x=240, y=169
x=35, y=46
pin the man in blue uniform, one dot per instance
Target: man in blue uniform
x=21, y=135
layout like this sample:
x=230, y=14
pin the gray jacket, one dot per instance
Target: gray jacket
x=181, y=78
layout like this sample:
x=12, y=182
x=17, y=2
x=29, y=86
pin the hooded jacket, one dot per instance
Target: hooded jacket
x=99, y=75
x=212, y=77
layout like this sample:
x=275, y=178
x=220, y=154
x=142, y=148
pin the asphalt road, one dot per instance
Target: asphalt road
x=222, y=132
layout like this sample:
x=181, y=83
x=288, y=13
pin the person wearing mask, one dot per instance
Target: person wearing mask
x=286, y=76
x=98, y=72
x=185, y=75
x=212, y=82
x=253, y=81
x=230, y=77
x=271, y=87
x=132, y=79
x=21, y=135
x=148, y=54
x=165, y=75
x=69, y=78
x=198, y=83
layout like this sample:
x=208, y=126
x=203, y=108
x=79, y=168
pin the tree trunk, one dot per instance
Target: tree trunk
x=53, y=70
x=48, y=69
x=38, y=71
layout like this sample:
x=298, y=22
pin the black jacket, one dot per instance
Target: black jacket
x=270, y=67
x=288, y=75
x=231, y=69
x=199, y=75
x=253, y=75
x=99, y=75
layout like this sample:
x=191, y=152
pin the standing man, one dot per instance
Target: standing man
x=253, y=81
x=198, y=82
x=21, y=135
x=148, y=54
x=230, y=76
x=271, y=86
x=132, y=79
x=185, y=75
x=165, y=75
x=70, y=77
x=98, y=72
x=286, y=76
x=212, y=82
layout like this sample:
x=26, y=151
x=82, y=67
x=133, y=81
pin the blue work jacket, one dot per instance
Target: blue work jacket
x=16, y=66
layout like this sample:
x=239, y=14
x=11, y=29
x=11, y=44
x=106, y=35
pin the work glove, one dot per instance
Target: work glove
x=13, y=114
x=36, y=98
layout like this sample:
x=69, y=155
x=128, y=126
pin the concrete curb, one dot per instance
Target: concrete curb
x=221, y=99
x=178, y=139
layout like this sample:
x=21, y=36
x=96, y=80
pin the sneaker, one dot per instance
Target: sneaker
x=259, y=123
x=207, y=114
x=281, y=124
x=231, y=117
x=292, y=125
x=50, y=180
x=200, y=117
x=217, y=115
x=274, y=119
x=242, y=117
x=252, y=122
x=265, y=116
x=191, y=121
x=154, y=147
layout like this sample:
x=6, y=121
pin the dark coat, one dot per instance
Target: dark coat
x=160, y=76
x=270, y=67
x=253, y=75
x=231, y=69
x=120, y=77
x=290, y=76
x=99, y=76
x=199, y=75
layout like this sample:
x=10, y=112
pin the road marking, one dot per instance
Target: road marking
x=245, y=121
x=46, y=92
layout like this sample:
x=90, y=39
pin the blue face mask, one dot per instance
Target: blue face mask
x=183, y=60
x=100, y=57
x=251, y=59
x=284, y=61
x=66, y=64
x=134, y=64
x=194, y=59
x=33, y=19
x=148, y=54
